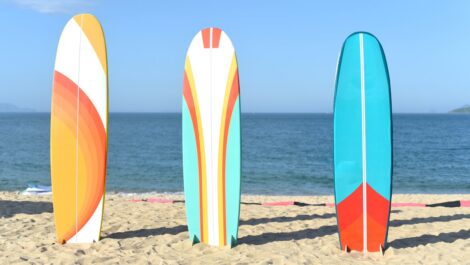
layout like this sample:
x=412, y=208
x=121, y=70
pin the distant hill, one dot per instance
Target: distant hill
x=464, y=109
x=7, y=107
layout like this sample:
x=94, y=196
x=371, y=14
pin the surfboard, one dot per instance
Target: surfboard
x=211, y=139
x=79, y=121
x=362, y=144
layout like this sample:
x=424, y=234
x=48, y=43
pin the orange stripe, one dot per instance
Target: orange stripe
x=206, y=33
x=190, y=103
x=203, y=184
x=216, y=37
x=234, y=92
x=231, y=92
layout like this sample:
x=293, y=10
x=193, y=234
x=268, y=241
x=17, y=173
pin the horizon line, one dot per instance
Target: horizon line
x=249, y=112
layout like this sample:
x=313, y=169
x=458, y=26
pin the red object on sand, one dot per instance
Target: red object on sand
x=159, y=200
x=464, y=203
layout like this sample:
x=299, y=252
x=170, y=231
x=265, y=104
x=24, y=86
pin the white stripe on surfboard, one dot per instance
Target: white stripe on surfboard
x=364, y=144
x=201, y=67
x=213, y=231
x=221, y=63
x=92, y=77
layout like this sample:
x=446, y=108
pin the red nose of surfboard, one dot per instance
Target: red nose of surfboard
x=211, y=37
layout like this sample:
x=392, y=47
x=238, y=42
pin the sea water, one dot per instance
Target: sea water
x=281, y=153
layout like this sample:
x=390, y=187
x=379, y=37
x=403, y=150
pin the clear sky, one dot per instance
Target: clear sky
x=287, y=50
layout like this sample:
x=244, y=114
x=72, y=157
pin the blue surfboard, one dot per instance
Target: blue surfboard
x=362, y=144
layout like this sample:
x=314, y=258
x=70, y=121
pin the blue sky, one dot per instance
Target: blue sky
x=287, y=50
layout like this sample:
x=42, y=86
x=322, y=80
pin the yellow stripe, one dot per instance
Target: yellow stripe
x=95, y=36
x=222, y=228
x=203, y=190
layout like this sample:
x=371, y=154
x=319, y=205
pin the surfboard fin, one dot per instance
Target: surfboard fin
x=195, y=240
x=382, y=249
x=233, y=241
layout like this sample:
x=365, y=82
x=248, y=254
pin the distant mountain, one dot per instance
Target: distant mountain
x=464, y=109
x=7, y=107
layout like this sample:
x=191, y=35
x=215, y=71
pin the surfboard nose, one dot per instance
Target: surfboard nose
x=211, y=37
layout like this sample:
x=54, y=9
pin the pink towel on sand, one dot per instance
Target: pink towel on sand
x=287, y=203
x=159, y=200
x=408, y=204
x=464, y=203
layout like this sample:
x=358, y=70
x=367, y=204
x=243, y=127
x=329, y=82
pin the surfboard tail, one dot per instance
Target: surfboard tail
x=351, y=220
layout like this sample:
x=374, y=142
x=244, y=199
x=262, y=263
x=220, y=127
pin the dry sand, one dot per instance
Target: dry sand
x=152, y=233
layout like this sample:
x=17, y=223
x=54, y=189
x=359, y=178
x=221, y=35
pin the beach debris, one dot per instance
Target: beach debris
x=154, y=200
x=36, y=189
x=449, y=204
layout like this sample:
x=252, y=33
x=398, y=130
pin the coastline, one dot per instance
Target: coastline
x=137, y=232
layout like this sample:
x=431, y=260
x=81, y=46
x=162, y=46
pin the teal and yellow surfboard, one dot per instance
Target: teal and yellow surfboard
x=362, y=144
x=211, y=139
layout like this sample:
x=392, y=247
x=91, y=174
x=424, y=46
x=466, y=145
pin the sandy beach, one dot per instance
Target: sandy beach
x=153, y=233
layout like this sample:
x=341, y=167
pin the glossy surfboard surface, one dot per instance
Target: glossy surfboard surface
x=211, y=139
x=362, y=144
x=79, y=121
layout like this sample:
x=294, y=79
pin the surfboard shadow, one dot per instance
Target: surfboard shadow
x=284, y=219
x=148, y=232
x=429, y=239
x=11, y=208
x=421, y=220
x=309, y=233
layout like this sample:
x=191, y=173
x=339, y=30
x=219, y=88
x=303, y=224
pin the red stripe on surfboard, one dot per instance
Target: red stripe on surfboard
x=350, y=220
x=234, y=92
x=350, y=208
x=216, y=37
x=188, y=97
x=206, y=36
x=377, y=219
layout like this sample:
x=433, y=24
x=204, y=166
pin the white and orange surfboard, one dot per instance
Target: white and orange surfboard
x=79, y=126
x=211, y=139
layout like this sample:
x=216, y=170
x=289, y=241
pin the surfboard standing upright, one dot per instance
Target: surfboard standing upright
x=79, y=121
x=362, y=144
x=211, y=139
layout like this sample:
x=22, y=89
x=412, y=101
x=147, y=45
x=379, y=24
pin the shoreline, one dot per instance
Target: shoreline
x=157, y=233
x=181, y=193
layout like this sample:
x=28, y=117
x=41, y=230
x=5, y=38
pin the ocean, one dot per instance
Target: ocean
x=288, y=154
